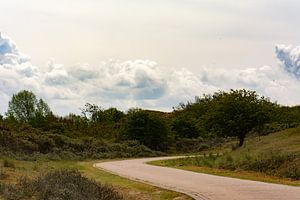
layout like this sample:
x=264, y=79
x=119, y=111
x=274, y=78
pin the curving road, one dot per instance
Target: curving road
x=198, y=185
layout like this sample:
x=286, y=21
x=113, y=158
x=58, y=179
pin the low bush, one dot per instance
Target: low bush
x=271, y=163
x=31, y=144
x=58, y=185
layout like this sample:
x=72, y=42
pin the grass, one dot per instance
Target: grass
x=270, y=158
x=131, y=190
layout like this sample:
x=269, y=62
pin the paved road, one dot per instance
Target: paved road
x=198, y=185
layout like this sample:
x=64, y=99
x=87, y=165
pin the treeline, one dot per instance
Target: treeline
x=30, y=127
x=232, y=114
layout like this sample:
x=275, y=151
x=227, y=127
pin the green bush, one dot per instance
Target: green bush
x=32, y=144
x=59, y=185
x=267, y=162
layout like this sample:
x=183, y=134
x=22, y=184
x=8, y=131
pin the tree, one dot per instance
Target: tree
x=42, y=108
x=93, y=112
x=150, y=129
x=113, y=115
x=185, y=127
x=24, y=107
x=236, y=113
x=97, y=114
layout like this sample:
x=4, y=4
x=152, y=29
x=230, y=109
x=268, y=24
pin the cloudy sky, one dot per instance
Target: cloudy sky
x=150, y=54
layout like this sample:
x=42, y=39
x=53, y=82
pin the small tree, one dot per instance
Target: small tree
x=42, y=108
x=93, y=112
x=96, y=113
x=24, y=107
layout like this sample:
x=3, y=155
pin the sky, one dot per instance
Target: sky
x=150, y=54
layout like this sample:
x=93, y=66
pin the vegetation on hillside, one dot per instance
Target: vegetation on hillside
x=30, y=128
x=30, y=131
x=276, y=155
x=11, y=170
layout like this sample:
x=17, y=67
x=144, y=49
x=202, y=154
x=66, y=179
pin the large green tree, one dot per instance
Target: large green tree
x=24, y=106
x=236, y=113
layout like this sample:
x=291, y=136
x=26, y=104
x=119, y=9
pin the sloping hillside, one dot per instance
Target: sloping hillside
x=272, y=158
x=286, y=141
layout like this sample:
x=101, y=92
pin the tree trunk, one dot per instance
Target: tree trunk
x=242, y=139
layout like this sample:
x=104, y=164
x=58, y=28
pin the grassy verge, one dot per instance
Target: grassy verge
x=129, y=189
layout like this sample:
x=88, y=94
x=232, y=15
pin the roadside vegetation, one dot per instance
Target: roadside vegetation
x=32, y=171
x=272, y=158
x=60, y=184
x=31, y=133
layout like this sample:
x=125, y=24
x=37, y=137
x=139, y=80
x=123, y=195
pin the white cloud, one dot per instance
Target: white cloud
x=57, y=75
x=290, y=58
x=139, y=83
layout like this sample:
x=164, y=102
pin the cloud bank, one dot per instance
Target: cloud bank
x=139, y=83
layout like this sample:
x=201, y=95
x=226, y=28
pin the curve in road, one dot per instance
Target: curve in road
x=197, y=185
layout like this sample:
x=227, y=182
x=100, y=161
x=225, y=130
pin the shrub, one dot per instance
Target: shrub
x=269, y=162
x=290, y=170
x=32, y=144
x=59, y=185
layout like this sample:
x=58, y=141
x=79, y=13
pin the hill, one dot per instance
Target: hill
x=271, y=158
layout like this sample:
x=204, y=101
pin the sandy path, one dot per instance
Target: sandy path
x=197, y=185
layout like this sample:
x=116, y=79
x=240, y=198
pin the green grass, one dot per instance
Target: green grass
x=270, y=158
x=131, y=190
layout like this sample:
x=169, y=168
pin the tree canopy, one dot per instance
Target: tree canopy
x=234, y=113
x=25, y=106
x=148, y=128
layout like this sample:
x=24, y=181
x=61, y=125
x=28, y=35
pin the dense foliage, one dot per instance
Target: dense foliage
x=232, y=114
x=30, y=127
x=148, y=128
x=26, y=142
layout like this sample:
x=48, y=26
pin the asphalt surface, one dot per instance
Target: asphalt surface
x=198, y=185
